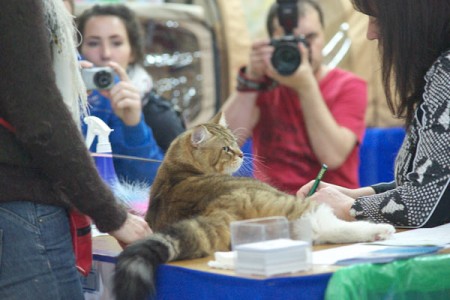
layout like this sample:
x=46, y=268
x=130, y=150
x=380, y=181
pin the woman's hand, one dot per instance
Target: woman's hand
x=85, y=64
x=125, y=98
x=353, y=193
x=338, y=201
x=304, y=190
x=134, y=228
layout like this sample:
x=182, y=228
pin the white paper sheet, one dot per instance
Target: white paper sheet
x=331, y=256
x=437, y=236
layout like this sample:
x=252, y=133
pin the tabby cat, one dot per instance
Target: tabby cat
x=194, y=198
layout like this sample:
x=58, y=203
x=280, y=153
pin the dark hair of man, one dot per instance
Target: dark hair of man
x=130, y=20
x=301, y=13
x=413, y=33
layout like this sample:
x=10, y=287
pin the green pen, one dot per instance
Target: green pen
x=318, y=179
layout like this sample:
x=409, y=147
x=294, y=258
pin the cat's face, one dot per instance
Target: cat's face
x=215, y=148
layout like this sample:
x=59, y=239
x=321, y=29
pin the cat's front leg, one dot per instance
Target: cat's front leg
x=327, y=228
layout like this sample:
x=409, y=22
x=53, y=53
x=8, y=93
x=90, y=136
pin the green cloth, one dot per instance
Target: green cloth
x=424, y=277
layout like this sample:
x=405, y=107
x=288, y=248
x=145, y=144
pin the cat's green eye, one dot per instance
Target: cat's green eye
x=226, y=149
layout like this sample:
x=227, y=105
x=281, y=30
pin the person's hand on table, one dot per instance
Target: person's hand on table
x=331, y=195
x=353, y=193
x=134, y=228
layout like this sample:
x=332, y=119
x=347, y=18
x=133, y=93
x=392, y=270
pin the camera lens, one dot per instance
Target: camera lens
x=286, y=58
x=103, y=79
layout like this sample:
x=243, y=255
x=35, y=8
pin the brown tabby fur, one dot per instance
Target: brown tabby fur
x=193, y=182
x=193, y=200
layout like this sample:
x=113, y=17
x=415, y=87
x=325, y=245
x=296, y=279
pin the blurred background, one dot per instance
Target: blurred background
x=195, y=47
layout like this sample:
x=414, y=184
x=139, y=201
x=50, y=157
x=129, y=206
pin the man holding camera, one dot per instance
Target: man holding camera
x=300, y=113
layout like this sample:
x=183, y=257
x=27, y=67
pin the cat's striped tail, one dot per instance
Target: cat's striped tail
x=134, y=276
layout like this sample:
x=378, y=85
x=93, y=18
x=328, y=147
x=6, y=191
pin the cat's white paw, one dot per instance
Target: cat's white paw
x=383, y=232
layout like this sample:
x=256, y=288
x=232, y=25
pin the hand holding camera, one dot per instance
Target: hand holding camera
x=98, y=78
x=124, y=96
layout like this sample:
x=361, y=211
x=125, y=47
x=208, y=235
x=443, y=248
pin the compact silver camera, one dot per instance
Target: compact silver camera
x=98, y=78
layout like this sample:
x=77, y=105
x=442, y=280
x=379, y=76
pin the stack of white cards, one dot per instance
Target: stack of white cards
x=273, y=257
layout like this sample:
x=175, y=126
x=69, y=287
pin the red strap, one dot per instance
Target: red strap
x=7, y=125
x=80, y=228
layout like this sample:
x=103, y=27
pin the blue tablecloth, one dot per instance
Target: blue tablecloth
x=175, y=282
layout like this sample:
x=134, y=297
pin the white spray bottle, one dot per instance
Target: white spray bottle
x=97, y=128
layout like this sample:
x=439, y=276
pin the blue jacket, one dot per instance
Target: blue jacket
x=135, y=141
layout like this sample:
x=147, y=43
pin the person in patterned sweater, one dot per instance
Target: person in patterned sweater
x=415, y=51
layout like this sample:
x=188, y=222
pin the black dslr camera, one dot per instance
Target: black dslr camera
x=287, y=57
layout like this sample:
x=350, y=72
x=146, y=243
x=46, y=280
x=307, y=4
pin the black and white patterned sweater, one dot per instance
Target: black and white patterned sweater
x=421, y=194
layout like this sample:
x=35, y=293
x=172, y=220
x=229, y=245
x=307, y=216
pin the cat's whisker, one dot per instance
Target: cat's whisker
x=255, y=159
x=248, y=166
x=258, y=163
x=245, y=170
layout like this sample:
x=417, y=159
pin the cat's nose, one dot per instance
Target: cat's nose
x=240, y=154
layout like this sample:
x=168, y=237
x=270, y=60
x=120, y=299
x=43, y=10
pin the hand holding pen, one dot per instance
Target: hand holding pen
x=317, y=180
x=333, y=196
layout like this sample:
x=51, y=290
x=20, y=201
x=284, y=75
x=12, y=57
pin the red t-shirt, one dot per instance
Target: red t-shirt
x=283, y=154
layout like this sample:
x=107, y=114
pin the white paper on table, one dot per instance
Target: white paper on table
x=436, y=236
x=331, y=256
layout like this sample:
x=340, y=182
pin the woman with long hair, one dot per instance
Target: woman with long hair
x=414, y=45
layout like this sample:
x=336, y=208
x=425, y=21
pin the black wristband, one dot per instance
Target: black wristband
x=244, y=84
x=383, y=187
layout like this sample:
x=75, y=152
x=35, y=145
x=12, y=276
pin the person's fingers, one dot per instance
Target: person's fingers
x=119, y=71
x=304, y=51
x=260, y=43
x=122, y=244
x=144, y=228
x=124, y=89
x=271, y=72
x=126, y=100
x=85, y=64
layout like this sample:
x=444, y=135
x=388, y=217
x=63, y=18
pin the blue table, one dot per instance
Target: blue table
x=182, y=282
x=194, y=279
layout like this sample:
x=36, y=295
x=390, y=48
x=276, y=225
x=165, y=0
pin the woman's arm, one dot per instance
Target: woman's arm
x=421, y=197
x=32, y=103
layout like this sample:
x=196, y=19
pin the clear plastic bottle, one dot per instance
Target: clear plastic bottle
x=103, y=156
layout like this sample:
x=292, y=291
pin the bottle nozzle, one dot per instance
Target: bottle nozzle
x=96, y=127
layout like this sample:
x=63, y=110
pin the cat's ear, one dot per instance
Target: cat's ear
x=219, y=118
x=199, y=135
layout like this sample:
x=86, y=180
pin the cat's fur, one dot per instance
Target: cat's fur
x=194, y=198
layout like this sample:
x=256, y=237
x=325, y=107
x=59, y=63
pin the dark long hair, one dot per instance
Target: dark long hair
x=413, y=33
x=128, y=17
